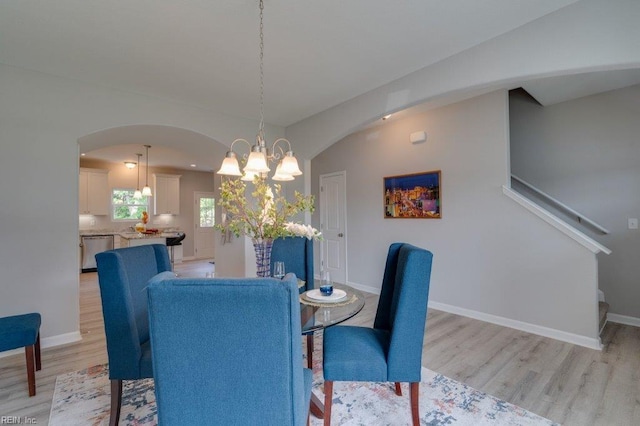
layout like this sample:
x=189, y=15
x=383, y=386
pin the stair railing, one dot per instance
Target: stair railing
x=579, y=217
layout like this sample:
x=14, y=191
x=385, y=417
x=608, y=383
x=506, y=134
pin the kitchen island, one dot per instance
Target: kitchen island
x=133, y=239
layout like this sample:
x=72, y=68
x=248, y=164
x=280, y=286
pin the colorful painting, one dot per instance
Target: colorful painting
x=415, y=196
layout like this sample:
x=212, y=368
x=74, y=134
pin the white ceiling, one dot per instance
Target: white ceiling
x=205, y=53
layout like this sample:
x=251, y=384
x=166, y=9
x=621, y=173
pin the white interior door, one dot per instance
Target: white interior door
x=204, y=235
x=333, y=218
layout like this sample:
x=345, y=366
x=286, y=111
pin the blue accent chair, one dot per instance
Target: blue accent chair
x=297, y=255
x=227, y=351
x=391, y=351
x=23, y=331
x=123, y=275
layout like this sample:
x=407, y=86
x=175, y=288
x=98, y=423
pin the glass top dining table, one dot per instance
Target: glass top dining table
x=322, y=315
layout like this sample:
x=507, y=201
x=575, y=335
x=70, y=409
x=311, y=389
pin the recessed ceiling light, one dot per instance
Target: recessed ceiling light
x=82, y=154
x=386, y=116
x=192, y=165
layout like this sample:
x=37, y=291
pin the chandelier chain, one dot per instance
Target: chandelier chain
x=261, y=129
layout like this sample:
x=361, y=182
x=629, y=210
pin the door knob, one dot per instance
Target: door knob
x=341, y=235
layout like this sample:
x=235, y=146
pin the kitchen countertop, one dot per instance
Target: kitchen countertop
x=138, y=236
x=128, y=234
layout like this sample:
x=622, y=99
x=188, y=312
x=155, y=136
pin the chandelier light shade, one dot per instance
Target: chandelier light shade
x=230, y=166
x=146, y=191
x=280, y=175
x=138, y=194
x=290, y=165
x=257, y=161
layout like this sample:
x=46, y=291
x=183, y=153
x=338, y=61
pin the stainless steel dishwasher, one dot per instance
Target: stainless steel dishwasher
x=92, y=244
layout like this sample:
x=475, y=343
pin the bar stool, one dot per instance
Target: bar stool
x=174, y=241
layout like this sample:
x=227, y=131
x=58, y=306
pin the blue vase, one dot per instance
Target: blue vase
x=262, y=248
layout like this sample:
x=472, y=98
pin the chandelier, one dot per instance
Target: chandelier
x=257, y=162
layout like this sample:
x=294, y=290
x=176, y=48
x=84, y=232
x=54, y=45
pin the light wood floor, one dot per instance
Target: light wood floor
x=568, y=384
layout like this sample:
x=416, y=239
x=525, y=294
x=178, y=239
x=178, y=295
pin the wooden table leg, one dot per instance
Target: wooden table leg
x=310, y=350
x=316, y=406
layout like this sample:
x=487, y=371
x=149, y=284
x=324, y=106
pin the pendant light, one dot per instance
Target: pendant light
x=138, y=194
x=146, y=191
x=257, y=162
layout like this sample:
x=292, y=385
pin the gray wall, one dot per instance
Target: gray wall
x=492, y=259
x=41, y=119
x=586, y=153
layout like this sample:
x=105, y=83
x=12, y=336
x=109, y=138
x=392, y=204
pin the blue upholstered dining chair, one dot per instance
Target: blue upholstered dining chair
x=391, y=351
x=227, y=351
x=297, y=255
x=123, y=275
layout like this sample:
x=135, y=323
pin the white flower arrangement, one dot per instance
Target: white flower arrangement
x=300, y=230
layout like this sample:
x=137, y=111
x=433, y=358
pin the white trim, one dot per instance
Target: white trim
x=49, y=342
x=576, y=339
x=552, y=333
x=365, y=288
x=623, y=319
x=557, y=223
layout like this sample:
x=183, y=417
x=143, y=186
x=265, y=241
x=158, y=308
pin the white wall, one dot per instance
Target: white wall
x=586, y=153
x=492, y=259
x=41, y=119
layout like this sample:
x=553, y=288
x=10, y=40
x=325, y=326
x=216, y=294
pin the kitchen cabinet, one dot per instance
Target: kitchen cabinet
x=94, y=192
x=166, y=196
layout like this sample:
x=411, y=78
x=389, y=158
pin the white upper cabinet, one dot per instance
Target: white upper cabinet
x=166, y=194
x=94, y=192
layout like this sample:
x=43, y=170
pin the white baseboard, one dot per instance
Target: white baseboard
x=623, y=319
x=49, y=342
x=365, y=288
x=552, y=333
x=563, y=336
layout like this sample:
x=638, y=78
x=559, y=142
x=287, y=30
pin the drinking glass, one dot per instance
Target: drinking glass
x=326, y=286
x=278, y=270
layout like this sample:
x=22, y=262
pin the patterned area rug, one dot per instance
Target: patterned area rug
x=83, y=398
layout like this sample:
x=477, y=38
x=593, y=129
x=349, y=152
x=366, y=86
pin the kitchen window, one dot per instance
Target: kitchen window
x=126, y=208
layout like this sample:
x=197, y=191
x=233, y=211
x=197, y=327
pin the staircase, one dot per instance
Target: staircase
x=603, y=308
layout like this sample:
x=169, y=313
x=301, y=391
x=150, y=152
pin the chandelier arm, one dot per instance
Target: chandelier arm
x=275, y=155
x=240, y=140
x=281, y=140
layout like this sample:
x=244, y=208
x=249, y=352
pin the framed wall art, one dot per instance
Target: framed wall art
x=414, y=196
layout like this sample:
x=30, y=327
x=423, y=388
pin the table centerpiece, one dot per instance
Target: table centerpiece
x=265, y=216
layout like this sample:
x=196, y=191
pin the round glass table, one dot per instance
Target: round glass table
x=318, y=316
